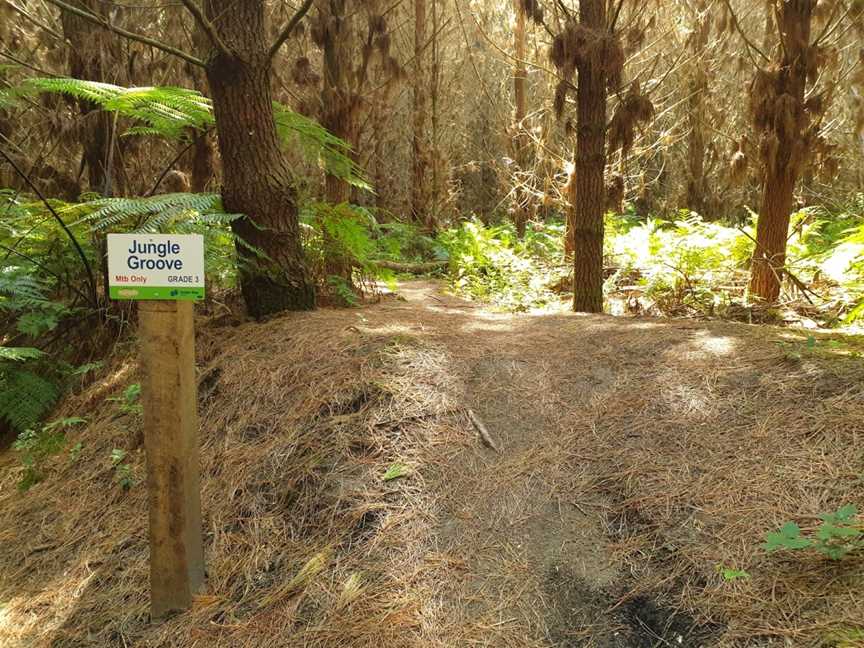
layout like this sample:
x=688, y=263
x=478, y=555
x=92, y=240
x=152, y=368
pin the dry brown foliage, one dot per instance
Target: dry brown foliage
x=638, y=458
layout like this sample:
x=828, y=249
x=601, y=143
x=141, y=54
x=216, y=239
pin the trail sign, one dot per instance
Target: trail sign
x=156, y=267
x=166, y=272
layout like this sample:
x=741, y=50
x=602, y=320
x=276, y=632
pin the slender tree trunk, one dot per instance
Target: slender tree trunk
x=203, y=157
x=256, y=178
x=696, y=185
x=590, y=166
x=336, y=96
x=520, y=75
x=203, y=163
x=419, y=147
x=338, y=115
x=90, y=59
x=782, y=146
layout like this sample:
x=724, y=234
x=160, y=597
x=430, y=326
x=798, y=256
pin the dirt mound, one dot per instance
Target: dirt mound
x=637, y=457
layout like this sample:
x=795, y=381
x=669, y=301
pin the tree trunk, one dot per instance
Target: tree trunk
x=696, y=185
x=419, y=147
x=783, y=124
x=590, y=166
x=203, y=163
x=520, y=145
x=90, y=60
x=256, y=178
x=339, y=115
x=203, y=159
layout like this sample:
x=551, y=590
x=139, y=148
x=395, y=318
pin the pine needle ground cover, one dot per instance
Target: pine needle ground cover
x=348, y=500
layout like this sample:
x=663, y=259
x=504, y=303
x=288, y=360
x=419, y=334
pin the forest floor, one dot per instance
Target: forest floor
x=637, y=459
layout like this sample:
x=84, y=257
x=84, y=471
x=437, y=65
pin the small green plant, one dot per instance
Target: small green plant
x=798, y=350
x=35, y=447
x=343, y=290
x=839, y=534
x=128, y=400
x=395, y=471
x=730, y=575
x=846, y=638
x=75, y=452
x=123, y=474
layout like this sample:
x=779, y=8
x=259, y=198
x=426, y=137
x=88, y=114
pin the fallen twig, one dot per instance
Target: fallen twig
x=482, y=431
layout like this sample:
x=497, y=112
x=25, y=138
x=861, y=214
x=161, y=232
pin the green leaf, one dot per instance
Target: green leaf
x=86, y=368
x=846, y=513
x=734, y=574
x=395, y=471
x=788, y=537
x=829, y=531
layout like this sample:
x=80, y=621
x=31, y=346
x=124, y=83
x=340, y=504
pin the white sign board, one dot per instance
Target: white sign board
x=156, y=266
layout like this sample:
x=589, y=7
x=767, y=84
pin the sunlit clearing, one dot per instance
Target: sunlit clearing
x=718, y=345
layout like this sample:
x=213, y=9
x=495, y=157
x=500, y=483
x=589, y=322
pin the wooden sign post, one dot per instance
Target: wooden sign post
x=166, y=272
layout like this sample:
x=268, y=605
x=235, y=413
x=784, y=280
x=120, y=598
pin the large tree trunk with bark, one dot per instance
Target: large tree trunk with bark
x=256, y=178
x=590, y=190
x=781, y=117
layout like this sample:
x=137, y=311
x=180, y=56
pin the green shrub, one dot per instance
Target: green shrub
x=490, y=264
x=839, y=534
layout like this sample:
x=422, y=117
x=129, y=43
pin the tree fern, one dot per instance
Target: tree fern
x=317, y=141
x=166, y=111
x=170, y=112
x=163, y=213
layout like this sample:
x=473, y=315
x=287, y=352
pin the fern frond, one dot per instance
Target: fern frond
x=21, y=287
x=171, y=112
x=166, y=111
x=317, y=143
x=19, y=354
x=163, y=213
x=25, y=398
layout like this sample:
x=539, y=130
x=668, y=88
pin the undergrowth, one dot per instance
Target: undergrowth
x=681, y=266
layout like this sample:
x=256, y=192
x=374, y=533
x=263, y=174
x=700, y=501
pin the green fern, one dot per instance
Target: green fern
x=316, y=141
x=18, y=287
x=19, y=354
x=171, y=112
x=25, y=397
x=166, y=111
x=162, y=213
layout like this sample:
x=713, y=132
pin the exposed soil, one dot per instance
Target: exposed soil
x=638, y=457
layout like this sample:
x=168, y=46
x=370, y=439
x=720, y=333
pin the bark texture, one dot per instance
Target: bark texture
x=520, y=145
x=590, y=190
x=420, y=194
x=256, y=177
x=779, y=112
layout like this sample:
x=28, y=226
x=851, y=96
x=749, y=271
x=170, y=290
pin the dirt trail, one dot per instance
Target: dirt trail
x=638, y=459
x=528, y=527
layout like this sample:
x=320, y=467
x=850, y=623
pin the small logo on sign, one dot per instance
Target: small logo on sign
x=127, y=293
